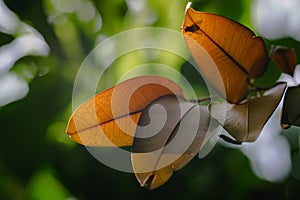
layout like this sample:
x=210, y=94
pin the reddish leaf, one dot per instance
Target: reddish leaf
x=284, y=58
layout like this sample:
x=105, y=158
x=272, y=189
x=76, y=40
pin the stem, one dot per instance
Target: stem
x=204, y=99
x=259, y=88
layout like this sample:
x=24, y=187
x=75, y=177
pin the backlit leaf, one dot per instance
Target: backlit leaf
x=246, y=120
x=171, y=132
x=284, y=58
x=110, y=117
x=228, y=53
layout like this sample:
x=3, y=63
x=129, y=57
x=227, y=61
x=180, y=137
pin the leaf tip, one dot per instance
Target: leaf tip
x=147, y=183
x=71, y=128
x=188, y=5
x=285, y=126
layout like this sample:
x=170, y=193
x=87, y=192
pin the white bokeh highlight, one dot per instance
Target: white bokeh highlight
x=28, y=42
x=12, y=88
x=270, y=154
x=275, y=19
x=9, y=22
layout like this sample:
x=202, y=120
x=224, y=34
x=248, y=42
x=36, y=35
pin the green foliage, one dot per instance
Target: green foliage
x=43, y=185
x=32, y=129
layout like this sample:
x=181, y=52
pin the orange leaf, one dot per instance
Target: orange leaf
x=110, y=118
x=284, y=58
x=228, y=53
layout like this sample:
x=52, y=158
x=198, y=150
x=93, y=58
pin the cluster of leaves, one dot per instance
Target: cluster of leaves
x=166, y=130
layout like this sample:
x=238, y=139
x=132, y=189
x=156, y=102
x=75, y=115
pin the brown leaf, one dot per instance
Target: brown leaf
x=110, y=117
x=284, y=58
x=228, y=53
x=246, y=120
x=158, y=152
x=291, y=110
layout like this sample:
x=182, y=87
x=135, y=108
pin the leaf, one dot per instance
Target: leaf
x=284, y=58
x=291, y=110
x=158, y=152
x=110, y=118
x=246, y=120
x=228, y=53
x=210, y=141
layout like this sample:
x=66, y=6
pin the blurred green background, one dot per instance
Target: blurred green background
x=38, y=160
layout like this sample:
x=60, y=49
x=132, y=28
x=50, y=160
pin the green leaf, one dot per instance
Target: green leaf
x=43, y=185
